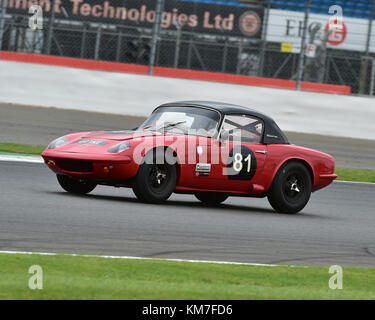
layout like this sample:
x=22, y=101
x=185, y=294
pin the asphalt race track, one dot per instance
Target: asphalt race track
x=337, y=226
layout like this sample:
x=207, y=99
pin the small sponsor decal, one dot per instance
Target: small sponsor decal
x=250, y=23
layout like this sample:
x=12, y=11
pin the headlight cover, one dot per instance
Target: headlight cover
x=120, y=147
x=59, y=142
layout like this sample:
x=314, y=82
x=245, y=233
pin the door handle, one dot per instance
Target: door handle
x=261, y=151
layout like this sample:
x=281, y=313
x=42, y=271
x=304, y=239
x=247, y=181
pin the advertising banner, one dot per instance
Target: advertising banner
x=287, y=27
x=195, y=17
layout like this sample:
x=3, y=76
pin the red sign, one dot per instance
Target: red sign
x=337, y=33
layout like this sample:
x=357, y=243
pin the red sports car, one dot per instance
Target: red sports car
x=209, y=149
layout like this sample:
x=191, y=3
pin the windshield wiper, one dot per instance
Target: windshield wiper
x=170, y=125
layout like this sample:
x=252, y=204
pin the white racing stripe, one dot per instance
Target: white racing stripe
x=21, y=158
x=144, y=258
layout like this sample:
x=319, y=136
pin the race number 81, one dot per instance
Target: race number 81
x=237, y=164
x=241, y=163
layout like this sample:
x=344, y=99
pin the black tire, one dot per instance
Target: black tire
x=75, y=186
x=211, y=198
x=155, y=180
x=291, y=188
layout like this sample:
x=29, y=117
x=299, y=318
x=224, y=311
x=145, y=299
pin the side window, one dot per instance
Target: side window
x=243, y=128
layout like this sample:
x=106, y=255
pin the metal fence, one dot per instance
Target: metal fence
x=180, y=40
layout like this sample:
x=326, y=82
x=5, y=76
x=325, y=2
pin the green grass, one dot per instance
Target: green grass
x=355, y=175
x=69, y=277
x=21, y=148
x=358, y=175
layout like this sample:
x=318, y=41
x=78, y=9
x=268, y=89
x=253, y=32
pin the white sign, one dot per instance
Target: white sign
x=36, y=20
x=310, y=50
x=287, y=26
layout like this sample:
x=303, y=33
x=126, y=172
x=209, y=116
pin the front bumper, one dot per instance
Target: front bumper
x=97, y=167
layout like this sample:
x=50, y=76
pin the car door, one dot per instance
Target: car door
x=196, y=171
x=241, y=152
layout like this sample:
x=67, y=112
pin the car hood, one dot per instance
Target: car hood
x=119, y=135
x=101, y=141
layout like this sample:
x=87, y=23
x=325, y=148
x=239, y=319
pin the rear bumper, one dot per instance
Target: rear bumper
x=91, y=166
x=324, y=180
x=330, y=176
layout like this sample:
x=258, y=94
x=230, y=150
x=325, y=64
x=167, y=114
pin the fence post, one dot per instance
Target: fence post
x=303, y=46
x=2, y=21
x=155, y=34
x=240, y=45
x=97, y=42
x=264, y=36
x=50, y=27
x=225, y=54
x=188, y=62
x=119, y=46
x=178, y=44
x=372, y=82
x=370, y=27
x=83, y=42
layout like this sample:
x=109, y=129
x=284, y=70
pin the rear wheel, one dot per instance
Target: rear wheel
x=211, y=198
x=75, y=186
x=155, y=180
x=291, y=188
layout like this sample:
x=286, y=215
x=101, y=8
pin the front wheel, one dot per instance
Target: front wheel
x=75, y=186
x=211, y=198
x=291, y=188
x=155, y=182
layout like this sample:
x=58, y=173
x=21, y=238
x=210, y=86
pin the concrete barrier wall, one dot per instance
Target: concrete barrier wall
x=173, y=73
x=137, y=94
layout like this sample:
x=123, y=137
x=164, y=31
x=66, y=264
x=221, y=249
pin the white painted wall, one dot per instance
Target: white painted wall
x=131, y=94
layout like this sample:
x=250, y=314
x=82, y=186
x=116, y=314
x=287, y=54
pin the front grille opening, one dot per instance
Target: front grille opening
x=76, y=165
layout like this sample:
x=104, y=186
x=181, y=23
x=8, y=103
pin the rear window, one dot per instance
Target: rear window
x=243, y=128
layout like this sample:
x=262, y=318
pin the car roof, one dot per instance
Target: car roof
x=272, y=133
x=224, y=108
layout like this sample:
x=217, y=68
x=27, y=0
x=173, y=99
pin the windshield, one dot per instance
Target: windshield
x=191, y=120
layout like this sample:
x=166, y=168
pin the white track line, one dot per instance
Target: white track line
x=355, y=182
x=20, y=158
x=143, y=258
